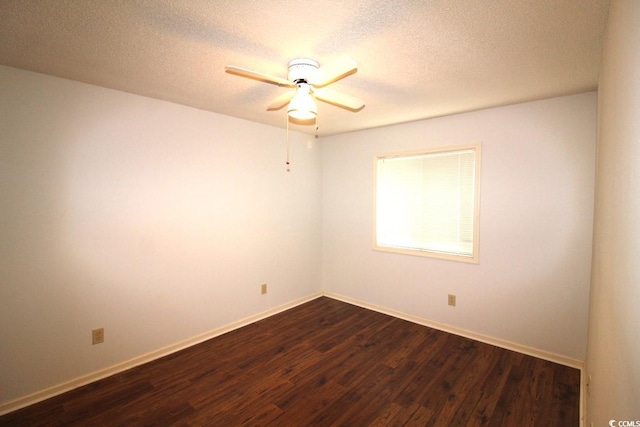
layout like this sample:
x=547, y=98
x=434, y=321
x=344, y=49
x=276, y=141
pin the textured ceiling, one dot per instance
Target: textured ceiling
x=416, y=59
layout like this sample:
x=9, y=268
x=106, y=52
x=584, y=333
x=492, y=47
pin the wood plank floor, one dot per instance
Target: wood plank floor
x=326, y=363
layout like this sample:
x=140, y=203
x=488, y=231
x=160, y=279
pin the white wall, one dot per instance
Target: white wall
x=159, y=222
x=155, y=221
x=614, y=321
x=531, y=286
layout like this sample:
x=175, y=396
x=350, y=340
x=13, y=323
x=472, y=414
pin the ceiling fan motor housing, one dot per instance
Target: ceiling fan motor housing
x=300, y=69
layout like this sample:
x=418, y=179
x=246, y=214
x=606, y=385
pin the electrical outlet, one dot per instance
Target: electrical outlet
x=452, y=300
x=97, y=336
x=263, y=289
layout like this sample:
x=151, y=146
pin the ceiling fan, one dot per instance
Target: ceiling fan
x=309, y=81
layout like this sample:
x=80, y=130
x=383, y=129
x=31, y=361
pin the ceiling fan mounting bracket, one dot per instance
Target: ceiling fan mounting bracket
x=300, y=69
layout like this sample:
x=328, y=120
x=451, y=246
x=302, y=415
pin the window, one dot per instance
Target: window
x=427, y=203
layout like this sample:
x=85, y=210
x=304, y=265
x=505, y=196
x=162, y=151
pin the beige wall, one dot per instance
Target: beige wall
x=614, y=323
x=155, y=221
x=531, y=286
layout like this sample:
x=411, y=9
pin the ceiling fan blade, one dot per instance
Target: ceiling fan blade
x=335, y=70
x=243, y=72
x=339, y=99
x=281, y=101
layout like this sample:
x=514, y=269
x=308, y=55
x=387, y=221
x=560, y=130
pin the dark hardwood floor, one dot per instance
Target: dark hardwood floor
x=326, y=363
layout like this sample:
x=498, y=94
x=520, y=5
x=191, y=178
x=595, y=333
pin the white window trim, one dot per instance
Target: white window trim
x=474, y=259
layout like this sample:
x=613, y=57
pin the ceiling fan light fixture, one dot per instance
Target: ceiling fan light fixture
x=302, y=106
x=309, y=81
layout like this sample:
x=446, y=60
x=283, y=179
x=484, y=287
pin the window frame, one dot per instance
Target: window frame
x=474, y=258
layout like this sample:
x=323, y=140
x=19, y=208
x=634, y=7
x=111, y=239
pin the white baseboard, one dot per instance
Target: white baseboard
x=58, y=389
x=41, y=395
x=541, y=354
x=530, y=351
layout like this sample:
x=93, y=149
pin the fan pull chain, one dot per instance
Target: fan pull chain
x=288, y=144
x=316, y=126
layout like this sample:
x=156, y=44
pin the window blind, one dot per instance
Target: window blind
x=426, y=202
